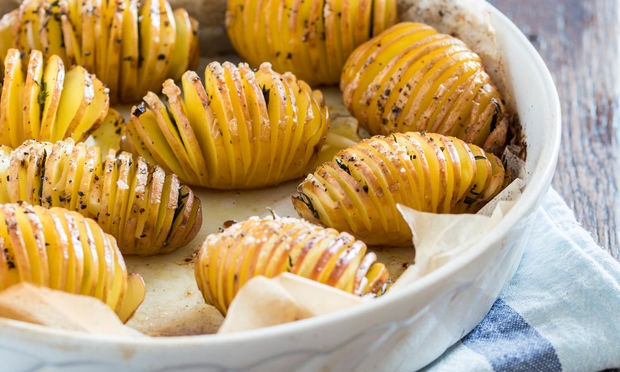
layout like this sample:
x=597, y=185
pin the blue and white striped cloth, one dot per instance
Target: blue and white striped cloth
x=560, y=312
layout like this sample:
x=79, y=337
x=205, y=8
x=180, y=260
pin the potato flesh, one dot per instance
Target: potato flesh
x=411, y=78
x=270, y=246
x=48, y=103
x=231, y=132
x=312, y=39
x=132, y=46
x=63, y=250
x=147, y=210
x=359, y=189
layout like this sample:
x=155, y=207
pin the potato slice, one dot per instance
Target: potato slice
x=90, y=12
x=128, y=81
x=185, y=44
x=112, y=47
x=32, y=94
x=51, y=91
x=96, y=111
x=78, y=94
x=11, y=100
x=7, y=32
x=51, y=33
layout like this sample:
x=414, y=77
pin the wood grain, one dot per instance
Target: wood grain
x=580, y=43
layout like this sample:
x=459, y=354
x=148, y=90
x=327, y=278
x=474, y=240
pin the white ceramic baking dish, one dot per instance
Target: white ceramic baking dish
x=401, y=332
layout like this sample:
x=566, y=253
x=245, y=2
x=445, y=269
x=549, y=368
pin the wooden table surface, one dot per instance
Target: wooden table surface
x=580, y=43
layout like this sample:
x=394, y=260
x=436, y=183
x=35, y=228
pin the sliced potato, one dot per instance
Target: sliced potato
x=231, y=132
x=10, y=101
x=49, y=103
x=271, y=246
x=312, y=39
x=132, y=46
x=63, y=250
x=412, y=78
x=146, y=209
x=358, y=190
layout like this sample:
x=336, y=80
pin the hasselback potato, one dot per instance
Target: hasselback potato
x=412, y=78
x=131, y=45
x=241, y=129
x=359, y=189
x=312, y=39
x=272, y=245
x=47, y=102
x=147, y=210
x=63, y=250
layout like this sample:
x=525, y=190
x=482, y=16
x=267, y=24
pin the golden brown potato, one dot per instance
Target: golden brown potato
x=241, y=129
x=312, y=39
x=41, y=100
x=147, y=210
x=359, y=189
x=411, y=78
x=63, y=250
x=131, y=45
x=270, y=246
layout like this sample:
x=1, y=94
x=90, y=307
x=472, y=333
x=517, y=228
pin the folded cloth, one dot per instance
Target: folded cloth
x=560, y=312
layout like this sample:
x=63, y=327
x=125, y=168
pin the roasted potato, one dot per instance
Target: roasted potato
x=358, y=190
x=272, y=245
x=131, y=45
x=412, y=78
x=241, y=129
x=312, y=39
x=147, y=210
x=43, y=101
x=63, y=250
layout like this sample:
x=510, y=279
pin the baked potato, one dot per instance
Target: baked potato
x=240, y=129
x=63, y=250
x=131, y=45
x=147, y=210
x=272, y=245
x=358, y=190
x=312, y=39
x=48, y=102
x=412, y=78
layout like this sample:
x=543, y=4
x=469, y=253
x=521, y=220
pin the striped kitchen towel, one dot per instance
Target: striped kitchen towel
x=560, y=312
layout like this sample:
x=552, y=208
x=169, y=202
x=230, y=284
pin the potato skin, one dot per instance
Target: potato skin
x=63, y=250
x=146, y=209
x=358, y=190
x=311, y=39
x=239, y=129
x=412, y=78
x=131, y=45
x=270, y=246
